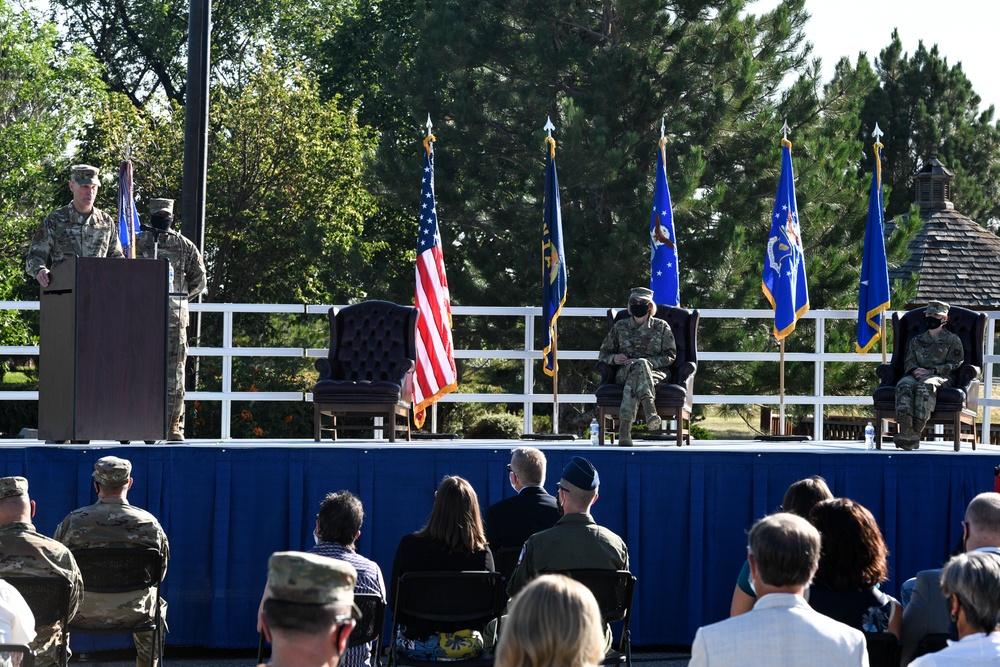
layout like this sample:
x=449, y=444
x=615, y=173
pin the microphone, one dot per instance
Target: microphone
x=156, y=230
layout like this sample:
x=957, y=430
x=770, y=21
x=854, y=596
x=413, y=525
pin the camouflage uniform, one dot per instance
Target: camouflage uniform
x=189, y=280
x=943, y=355
x=113, y=522
x=65, y=232
x=652, y=342
x=27, y=553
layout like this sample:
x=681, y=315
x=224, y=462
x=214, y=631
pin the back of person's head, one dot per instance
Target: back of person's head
x=455, y=519
x=803, y=495
x=309, y=594
x=15, y=505
x=340, y=517
x=975, y=578
x=983, y=514
x=580, y=481
x=553, y=622
x=529, y=464
x=785, y=548
x=854, y=553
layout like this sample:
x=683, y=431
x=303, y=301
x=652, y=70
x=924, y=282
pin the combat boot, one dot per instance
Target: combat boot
x=625, y=433
x=175, y=434
x=653, y=421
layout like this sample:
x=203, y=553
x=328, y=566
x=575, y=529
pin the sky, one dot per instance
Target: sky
x=964, y=30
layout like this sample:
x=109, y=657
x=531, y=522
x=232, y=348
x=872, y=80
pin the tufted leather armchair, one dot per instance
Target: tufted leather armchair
x=956, y=405
x=674, y=395
x=369, y=370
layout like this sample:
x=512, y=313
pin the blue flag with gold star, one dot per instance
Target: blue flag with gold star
x=553, y=259
x=873, y=296
x=663, y=269
x=784, y=281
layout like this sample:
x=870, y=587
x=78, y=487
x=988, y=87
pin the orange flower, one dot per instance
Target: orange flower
x=253, y=387
x=287, y=419
x=258, y=431
x=197, y=405
x=199, y=422
x=246, y=414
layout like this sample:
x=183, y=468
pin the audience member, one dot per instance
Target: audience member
x=452, y=540
x=970, y=583
x=852, y=566
x=928, y=613
x=113, y=522
x=338, y=527
x=513, y=520
x=799, y=499
x=27, y=553
x=781, y=629
x=553, y=622
x=309, y=609
x=17, y=623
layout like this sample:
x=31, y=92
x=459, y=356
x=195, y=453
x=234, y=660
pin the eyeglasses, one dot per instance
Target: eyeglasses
x=509, y=469
x=559, y=487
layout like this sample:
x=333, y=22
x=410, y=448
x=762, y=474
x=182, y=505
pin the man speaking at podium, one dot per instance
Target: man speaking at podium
x=78, y=228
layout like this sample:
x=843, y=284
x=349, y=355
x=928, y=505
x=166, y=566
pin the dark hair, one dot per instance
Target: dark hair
x=283, y=615
x=785, y=548
x=854, y=553
x=340, y=517
x=803, y=495
x=455, y=518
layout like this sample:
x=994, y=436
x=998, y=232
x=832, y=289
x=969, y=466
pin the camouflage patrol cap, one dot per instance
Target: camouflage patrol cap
x=641, y=293
x=295, y=576
x=112, y=471
x=84, y=174
x=13, y=486
x=938, y=308
x=160, y=206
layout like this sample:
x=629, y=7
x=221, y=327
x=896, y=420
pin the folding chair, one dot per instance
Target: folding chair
x=123, y=570
x=883, y=649
x=614, y=590
x=505, y=560
x=451, y=600
x=48, y=599
x=16, y=655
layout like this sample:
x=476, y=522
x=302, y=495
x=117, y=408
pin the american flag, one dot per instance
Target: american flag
x=128, y=217
x=436, y=375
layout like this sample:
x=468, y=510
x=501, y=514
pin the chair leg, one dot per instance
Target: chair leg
x=958, y=430
x=600, y=425
x=878, y=429
x=317, y=422
x=391, y=419
x=680, y=428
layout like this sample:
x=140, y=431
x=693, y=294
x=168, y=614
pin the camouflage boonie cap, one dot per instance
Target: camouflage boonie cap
x=112, y=471
x=641, y=293
x=84, y=174
x=13, y=486
x=161, y=205
x=295, y=576
x=938, y=308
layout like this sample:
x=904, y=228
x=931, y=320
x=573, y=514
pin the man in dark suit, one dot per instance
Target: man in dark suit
x=513, y=520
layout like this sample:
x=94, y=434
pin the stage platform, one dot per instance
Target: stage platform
x=684, y=512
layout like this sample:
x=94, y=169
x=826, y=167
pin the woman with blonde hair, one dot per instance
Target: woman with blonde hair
x=453, y=540
x=553, y=622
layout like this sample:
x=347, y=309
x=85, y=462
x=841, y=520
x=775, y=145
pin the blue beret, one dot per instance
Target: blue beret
x=581, y=473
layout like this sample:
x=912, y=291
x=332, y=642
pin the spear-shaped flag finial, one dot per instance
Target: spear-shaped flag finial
x=548, y=125
x=429, y=125
x=877, y=133
x=785, y=130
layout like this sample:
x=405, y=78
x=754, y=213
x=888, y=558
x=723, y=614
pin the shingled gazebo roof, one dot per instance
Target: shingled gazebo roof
x=957, y=259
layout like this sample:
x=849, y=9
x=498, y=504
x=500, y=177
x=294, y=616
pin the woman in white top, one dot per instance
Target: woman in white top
x=17, y=623
x=970, y=583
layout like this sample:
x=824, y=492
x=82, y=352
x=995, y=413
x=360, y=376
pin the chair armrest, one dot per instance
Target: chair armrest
x=684, y=374
x=886, y=375
x=607, y=372
x=403, y=368
x=966, y=374
x=324, y=368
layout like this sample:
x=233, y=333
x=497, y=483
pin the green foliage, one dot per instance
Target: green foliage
x=496, y=425
x=700, y=433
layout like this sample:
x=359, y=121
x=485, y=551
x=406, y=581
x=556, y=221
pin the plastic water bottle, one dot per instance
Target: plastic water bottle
x=595, y=432
x=869, y=436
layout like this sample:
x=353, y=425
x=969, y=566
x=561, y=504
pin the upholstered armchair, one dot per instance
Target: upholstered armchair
x=674, y=395
x=956, y=405
x=369, y=370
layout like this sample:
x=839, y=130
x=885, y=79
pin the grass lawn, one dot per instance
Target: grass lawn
x=726, y=428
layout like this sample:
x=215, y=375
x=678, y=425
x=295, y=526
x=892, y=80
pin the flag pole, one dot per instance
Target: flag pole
x=555, y=332
x=781, y=363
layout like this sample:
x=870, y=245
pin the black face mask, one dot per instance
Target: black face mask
x=162, y=221
x=932, y=323
x=638, y=308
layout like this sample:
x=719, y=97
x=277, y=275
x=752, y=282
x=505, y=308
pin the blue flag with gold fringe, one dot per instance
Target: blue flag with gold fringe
x=553, y=259
x=663, y=269
x=128, y=217
x=784, y=281
x=873, y=295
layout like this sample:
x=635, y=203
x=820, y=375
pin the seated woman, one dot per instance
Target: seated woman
x=553, y=622
x=453, y=540
x=970, y=583
x=851, y=567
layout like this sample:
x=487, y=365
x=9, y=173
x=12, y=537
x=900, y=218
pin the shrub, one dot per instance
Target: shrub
x=497, y=425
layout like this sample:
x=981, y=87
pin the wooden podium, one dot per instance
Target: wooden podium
x=103, y=351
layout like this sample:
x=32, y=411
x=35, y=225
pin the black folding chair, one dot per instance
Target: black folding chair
x=123, y=570
x=505, y=560
x=48, y=599
x=16, y=655
x=450, y=600
x=614, y=590
x=883, y=649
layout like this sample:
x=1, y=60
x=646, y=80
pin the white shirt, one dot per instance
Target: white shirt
x=17, y=623
x=975, y=650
